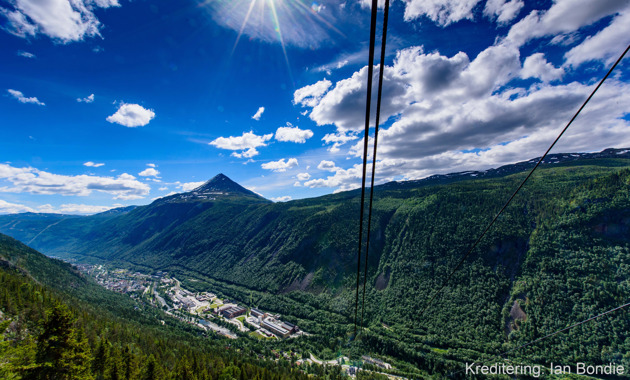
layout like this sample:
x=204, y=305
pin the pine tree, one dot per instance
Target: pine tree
x=60, y=353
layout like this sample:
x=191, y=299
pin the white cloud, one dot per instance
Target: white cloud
x=536, y=66
x=607, y=45
x=327, y=166
x=25, y=54
x=258, y=113
x=303, y=176
x=565, y=39
x=13, y=208
x=368, y=3
x=35, y=181
x=62, y=20
x=564, y=16
x=149, y=172
x=163, y=188
x=417, y=79
x=189, y=186
x=342, y=179
x=448, y=106
x=293, y=134
x=247, y=143
x=338, y=139
x=442, y=12
x=344, y=105
x=73, y=208
x=503, y=11
x=285, y=198
x=132, y=115
x=280, y=165
x=88, y=99
x=151, y=165
x=310, y=95
x=93, y=164
x=23, y=99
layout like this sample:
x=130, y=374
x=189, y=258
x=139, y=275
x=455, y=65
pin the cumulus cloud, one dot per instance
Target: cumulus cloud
x=564, y=16
x=35, y=181
x=536, y=66
x=342, y=179
x=246, y=144
x=280, y=165
x=442, y=12
x=293, y=134
x=338, y=139
x=503, y=11
x=23, y=99
x=132, y=115
x=149, y=172
x=606, y=45
x=328, y=166
x=88, y=99
x=25, y=54
x=62, y=20
x=93, y=164
x=13, y=208
x=303, y=176
x=448, y=106
x=258, y=113
x=310, y=95
x=189, y=186
x=344, y=105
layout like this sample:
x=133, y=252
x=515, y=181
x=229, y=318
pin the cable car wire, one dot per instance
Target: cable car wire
x=378, y=115
x=365, y=147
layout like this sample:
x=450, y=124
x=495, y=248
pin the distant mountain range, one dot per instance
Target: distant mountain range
x=551, y=159
x=553, y=258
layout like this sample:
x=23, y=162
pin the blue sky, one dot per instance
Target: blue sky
x=106, y=103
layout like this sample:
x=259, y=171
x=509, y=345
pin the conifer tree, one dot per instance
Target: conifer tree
x=60, y=353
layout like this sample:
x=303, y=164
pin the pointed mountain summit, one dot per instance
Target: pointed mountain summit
x=219, y=187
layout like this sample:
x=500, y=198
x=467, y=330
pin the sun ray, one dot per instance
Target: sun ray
x=319, y=18
x=252, y=3
x=272, y=6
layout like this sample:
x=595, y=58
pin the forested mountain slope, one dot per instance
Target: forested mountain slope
x=559, y=254
x=57, y=324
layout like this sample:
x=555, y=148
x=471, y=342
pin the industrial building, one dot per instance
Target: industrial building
x=233, y=312
x=275, y=328
x=257, y=313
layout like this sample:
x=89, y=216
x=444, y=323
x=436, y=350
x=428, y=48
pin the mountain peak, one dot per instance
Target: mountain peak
x=219, y=182
x=219, y=186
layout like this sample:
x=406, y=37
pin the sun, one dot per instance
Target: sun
x=301, y=23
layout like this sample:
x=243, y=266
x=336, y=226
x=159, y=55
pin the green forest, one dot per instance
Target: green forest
x=558, y=255
x=46, y=332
